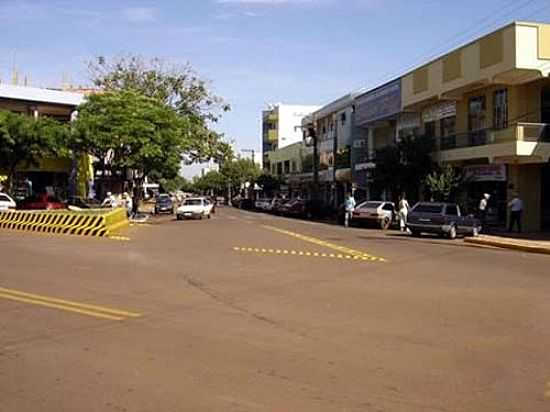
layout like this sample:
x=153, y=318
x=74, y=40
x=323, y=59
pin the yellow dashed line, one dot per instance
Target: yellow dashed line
x=279, y=252
x=319, y=242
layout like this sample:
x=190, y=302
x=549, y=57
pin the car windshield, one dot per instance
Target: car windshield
x=370, y=205
x=4, y=198
x=192, y=202
x=427, y=208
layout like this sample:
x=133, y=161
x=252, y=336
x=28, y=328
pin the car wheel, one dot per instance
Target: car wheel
x=209, y=216
x=452, y=232
x=178, y=217
x=385, y=223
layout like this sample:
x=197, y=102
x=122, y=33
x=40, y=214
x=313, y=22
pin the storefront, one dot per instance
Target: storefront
x=491, y=179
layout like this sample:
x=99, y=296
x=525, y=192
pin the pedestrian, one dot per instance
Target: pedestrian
x=109, y=200
x=403, y=208
x=483, y=209
x=349, y=207
x=516, y=210
x=127, y=202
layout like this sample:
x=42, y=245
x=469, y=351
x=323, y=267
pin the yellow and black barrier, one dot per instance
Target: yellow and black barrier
x=96, y=222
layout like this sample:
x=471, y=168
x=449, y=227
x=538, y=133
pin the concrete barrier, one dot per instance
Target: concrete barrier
x=96, y=222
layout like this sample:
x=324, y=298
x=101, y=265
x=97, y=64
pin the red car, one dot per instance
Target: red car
x=41, y=202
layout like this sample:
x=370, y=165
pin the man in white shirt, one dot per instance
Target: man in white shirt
x=516, y=210
x=483, y=206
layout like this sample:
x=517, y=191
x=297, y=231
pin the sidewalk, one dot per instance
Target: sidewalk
x=525, y=242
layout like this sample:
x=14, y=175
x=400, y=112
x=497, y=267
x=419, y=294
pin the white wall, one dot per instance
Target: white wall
x=290, y=122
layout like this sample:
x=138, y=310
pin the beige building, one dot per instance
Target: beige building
x=487, y=104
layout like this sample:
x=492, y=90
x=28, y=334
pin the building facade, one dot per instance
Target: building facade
x=487, y=105
x=281, y=127
x=49, y=174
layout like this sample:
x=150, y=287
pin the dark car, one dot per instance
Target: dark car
x=164, y=204
x=294, y=207
x=444, y=219
x=41, y=202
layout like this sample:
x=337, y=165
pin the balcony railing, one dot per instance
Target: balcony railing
x=523, y=132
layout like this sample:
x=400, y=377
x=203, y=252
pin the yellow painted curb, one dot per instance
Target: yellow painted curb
x=506, y=245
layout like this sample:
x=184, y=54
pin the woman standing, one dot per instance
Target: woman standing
x=403, y=209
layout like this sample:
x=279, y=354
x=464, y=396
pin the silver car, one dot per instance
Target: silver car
x=380, y=212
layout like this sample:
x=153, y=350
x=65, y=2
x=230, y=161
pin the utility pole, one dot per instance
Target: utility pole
x=253, y=152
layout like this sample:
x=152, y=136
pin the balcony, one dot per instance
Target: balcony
x=522, y=142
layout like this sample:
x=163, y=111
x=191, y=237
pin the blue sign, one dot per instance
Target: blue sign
x=378, y=104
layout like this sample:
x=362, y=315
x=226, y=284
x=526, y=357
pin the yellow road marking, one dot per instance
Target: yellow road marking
x=61, y=307
x=83, y=308
x=279, y=252
x=320, y=242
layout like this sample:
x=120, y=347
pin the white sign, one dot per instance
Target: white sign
x=439, y=111
x=365, y=166
x=485, y=173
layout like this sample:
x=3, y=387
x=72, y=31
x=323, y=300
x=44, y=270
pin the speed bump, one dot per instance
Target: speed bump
x=98, y=222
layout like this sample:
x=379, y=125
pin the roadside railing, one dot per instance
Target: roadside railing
x=522, y=132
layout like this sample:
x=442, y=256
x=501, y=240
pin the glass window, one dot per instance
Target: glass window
x=388, y=206
x=500, y=109
x=476, y=113
x=429, y=129
x=369, y=205
x=4, y=198
x=287, y=166
x=452, y=210
x=428, y=208
x=448, y=126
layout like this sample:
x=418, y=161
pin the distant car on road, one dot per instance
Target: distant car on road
x=6, y=202
x=262, y=204
x=444, y=219
x=194, y=208
x=379, y=212
x=294, y=207
x=41, y=202
x=164, y=204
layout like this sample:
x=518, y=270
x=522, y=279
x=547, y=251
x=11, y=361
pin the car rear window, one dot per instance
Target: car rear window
x=370, y=205
x=4, y=198
x=427, y=208
x=192, y=202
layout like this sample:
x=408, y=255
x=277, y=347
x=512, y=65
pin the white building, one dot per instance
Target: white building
x=282, y=125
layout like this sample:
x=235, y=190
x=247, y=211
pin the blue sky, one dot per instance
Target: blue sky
x=253, y=51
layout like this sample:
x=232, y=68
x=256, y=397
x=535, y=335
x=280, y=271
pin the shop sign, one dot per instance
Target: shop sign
x=485, y=173
x=408, y=121
x=365, y=166
x=379, y=104
x=439, y=111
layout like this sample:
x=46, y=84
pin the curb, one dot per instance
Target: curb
x=506, y=245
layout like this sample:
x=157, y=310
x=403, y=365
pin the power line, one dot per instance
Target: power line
x=460, y=35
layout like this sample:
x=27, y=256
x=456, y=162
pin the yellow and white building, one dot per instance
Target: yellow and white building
x=487, y=105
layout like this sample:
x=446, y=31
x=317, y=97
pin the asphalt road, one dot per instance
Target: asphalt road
x=247, y=312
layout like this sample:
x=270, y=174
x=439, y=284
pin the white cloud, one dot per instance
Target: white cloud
x=140, y=14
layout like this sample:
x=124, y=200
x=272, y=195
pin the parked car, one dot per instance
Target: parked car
x=444, y=219
x=277, y=205
x=41, y=202
x=379, y=212
x=82, y=203
x=294, y=207
x=194, y=208
x=6, y=202
x=164, y=204
x=246, y=204
x=262, y=204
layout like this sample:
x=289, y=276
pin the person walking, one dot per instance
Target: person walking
x=403, y=208
x=349, y=206
x=483, y=209
x=516, y=210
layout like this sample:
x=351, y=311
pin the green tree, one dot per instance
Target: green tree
x=444, y=183
x=240, y=171
x=25, y=140
x=211, y=182
x=179, y=87
x=403, y=167
x=129, y=131
x=269, y=183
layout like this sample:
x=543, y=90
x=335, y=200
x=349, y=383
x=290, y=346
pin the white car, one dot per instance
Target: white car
x=194, y=208
x=6, y=202
x=379, y=212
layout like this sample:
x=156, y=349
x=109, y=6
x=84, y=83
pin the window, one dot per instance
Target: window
x=452, y=210
x=428, y=208
x=4, y=198
x=287, y=167
x=500, y=109
x=448, y=126
x=476, y=113
x=429, y=129
x=343, y=118
x=388, y=207
x=294, y=168
x=279, y=168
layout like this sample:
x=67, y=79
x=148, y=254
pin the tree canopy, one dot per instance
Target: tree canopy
x=25, y=140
